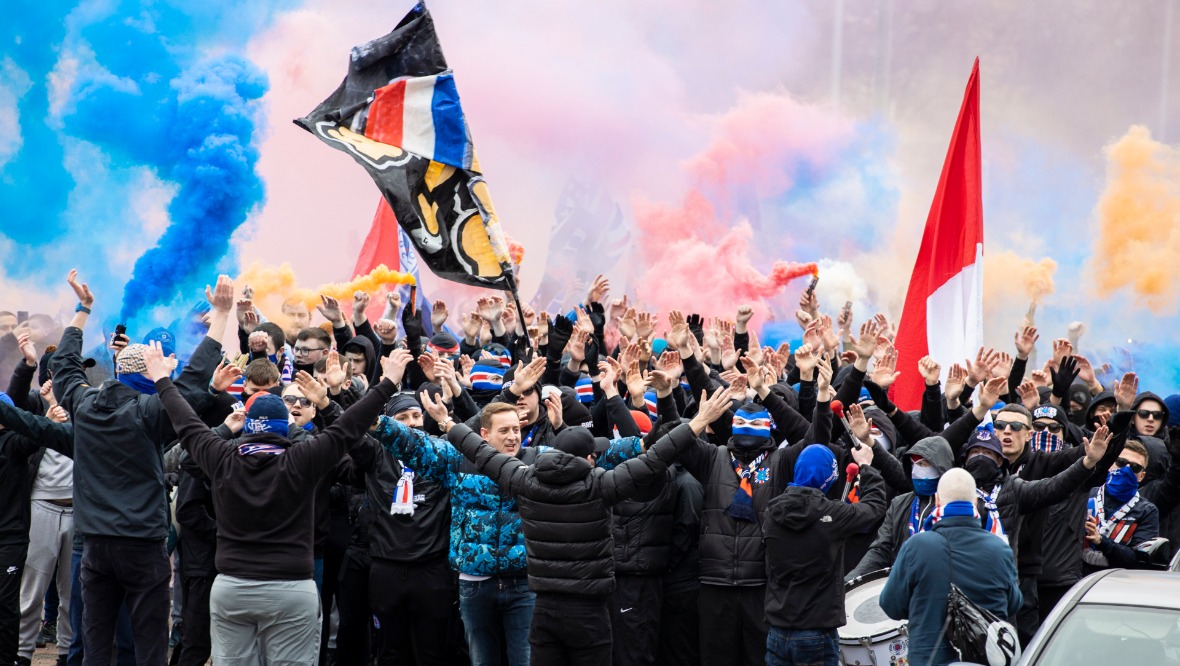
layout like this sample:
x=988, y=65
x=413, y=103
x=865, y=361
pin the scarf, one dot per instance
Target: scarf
x=918, y=523
x=1117, y=529
x=992, y=524
x=1046, y=442
x=742, y=505
x=138, y=381
x=403, y=495
x=528, y=439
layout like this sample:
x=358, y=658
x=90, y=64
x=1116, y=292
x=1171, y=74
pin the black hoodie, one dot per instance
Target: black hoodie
x=364, y=345
x=1161, y=431
x=805, y=533
x=264, y=503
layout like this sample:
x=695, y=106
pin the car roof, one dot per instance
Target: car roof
x=1157, y=589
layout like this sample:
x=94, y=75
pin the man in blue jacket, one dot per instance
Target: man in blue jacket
x=980, y=563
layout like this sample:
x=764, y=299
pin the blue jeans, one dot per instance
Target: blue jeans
x=802, y=647
x=497, y=611
x=124, y=644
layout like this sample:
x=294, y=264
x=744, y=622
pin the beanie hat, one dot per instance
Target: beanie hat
x=501, y=354
x=651, y=400
x=1051, y=411
x=816, y=468
x=642, y=421
x=443, y=344
x=573, y=412
x=755, y=421
x=658, y=346
x=487, y=375
x=400, y=403
x=584, y=389
x=265, y=412
x=864, y=397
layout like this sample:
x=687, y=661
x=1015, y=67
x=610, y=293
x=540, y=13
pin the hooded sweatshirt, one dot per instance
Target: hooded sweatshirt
x=895, y=529
x=1162, y=430
x=805, y=533
x=364, y=345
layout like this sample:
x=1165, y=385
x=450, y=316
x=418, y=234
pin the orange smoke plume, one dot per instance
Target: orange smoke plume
x=273, y=285
x=1005, y=271
x=1139, y=222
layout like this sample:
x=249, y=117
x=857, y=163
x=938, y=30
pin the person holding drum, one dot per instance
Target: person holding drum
x=805, y=533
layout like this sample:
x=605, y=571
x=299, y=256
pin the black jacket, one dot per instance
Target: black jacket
x=805, y=534
x=120, y=433
x=564, y=504
x=264, y=503
x=16, y=479
x=423, y=537
x=197, y=520
x=642, y=530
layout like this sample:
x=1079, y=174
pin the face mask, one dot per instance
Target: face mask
x=925, y=487
x=984, y=470
x=1121, y=484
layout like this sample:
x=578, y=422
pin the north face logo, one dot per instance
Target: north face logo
x=825, y=519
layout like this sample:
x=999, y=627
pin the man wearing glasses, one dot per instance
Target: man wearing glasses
x=1151, y=415
x=1119, y=518
x=310, y=346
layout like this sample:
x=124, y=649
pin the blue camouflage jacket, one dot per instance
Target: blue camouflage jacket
x=486, y=538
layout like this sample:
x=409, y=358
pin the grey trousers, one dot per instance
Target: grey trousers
x=262, y=622
x=51, y=544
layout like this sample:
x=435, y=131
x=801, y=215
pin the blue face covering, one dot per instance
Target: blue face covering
x=925, y=487
x=1121, y=484
x=139, y=382
x=958, y=508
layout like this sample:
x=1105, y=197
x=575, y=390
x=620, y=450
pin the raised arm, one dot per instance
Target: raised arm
x=66, y=365
x=47, y=433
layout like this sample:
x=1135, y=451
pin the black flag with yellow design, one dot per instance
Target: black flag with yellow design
x=397, y=113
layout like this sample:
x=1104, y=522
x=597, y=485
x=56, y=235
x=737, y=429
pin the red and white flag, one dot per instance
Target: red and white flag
x=943, y=315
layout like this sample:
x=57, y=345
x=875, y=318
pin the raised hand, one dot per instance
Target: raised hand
x=81, y=290
x=1029, y=396
x=439, y=314
x=1040, y=377
x=1026, y=341
x=806, y=358
x=636, y=385
x=628, y=324
x=527, y=376
x=1086, y=374
x=956, y=381
x=981, y=368
x=312, y=388
x=1004, y=363
x=554, y=410
x=645, y=325
x=1125, y=390
x=1096, y=446
x=330, y=308
x=157, y=365
x=709, y=409
x=436, y=409
x=860, y=427
x=744, y=314
x=394, y=365
x=428, y=361
x=360, y=303
x=244, y=307
x=991, y=391
x=930, y=369
x=616, y=308
x=57, y=414
x=576, y=347
x=386, y=330
x=490, y=308
x=823, y=382
x=885, y=372
x=236, y=420
x=598, y=290
x=27, y=349
x=1061, y=349
x=466, y=363
x=753, y=374
x=670, y=363
x=225, y=375
x=865, y=344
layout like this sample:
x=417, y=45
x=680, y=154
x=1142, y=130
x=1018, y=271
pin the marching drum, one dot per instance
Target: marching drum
x=871, y=638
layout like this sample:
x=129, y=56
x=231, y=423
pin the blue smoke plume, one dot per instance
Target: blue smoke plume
x=113, y=96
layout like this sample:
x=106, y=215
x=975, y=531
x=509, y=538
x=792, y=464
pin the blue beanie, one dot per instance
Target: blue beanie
x=267, y=413
x=1172, y=402
x=164, y=337
x=487, y=375
x=816, y=468
x=584, y=389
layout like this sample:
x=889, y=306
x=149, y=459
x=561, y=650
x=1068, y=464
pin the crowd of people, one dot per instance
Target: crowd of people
x=510, y=487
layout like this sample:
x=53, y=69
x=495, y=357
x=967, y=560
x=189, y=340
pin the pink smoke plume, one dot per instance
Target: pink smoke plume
x=697, y=257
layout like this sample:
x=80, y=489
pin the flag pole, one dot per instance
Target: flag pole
x=510, y=278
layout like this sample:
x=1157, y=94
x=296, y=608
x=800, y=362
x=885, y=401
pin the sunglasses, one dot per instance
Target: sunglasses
x=1016, y=426
x=1150, y=414
x=1123, y=462
x=292, y=400
x=1054, y=428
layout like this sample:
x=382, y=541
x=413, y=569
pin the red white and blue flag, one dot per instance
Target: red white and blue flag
x=422, y=115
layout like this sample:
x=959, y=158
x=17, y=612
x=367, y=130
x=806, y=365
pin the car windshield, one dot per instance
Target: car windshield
x=1114, y=635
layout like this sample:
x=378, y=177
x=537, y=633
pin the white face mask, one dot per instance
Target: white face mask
x=882, y=439
x=924, y=472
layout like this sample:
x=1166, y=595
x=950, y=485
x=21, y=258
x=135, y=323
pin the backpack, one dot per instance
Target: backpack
x=974, y=632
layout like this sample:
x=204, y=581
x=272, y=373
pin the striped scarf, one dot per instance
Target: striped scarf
x=993, y=514
x=260, y=448
x=1117, y=529
x=742, y=505
x=917, y=522
x=1046, y=442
